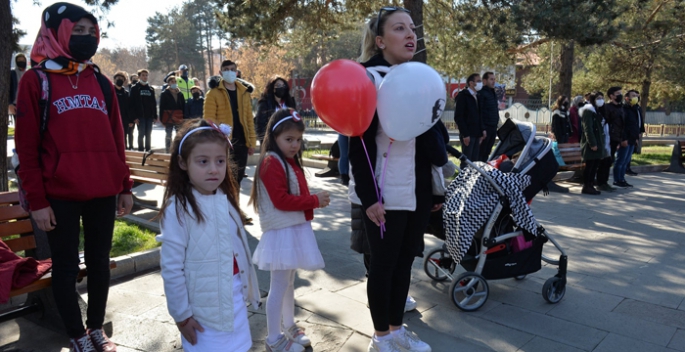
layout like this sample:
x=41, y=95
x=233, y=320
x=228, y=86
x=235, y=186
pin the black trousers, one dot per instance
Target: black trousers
x=145, y=134
x=98, y=224
x=614, y=147
x=390, y=264
x=603, y=171
x=129, y=136
x=488, y=142
x=472, y=151
x=239, y=158
x=590, y=172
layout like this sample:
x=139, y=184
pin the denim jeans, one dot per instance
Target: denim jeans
x=167, y=140
x=344, y=162
x=623, y=156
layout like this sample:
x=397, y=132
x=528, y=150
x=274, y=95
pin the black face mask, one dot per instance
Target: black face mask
x=281, y=92
x=119, y=82
x=619, y=98
x=134, y=81
x=565, y=105
x=83, y=47
x=21, y=64
x=196, y=95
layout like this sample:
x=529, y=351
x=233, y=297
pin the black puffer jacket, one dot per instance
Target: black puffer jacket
x=358, y=241
x=614, y=116
x=489, y=107
x=631, y=130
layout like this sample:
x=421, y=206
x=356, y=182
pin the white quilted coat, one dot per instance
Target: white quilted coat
x=197, y=262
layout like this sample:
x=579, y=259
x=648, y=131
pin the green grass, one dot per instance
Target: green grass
x=128, y=238
x=653, y=155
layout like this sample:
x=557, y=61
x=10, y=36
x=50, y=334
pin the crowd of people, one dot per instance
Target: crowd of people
x=608, y=133
x=73, y=126
x=71, y=139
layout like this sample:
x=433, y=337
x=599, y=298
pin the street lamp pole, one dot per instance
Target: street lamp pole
x=551, y=57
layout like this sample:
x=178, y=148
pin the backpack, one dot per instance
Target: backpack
x=44, y=108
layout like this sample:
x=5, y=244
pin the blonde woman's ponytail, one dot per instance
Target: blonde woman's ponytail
x=369, y=48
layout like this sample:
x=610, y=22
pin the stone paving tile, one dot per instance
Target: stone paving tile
x=473, y=330
x=541, y=344
x=443, y=342
x=597, y=310
x=338, y=308
x=652, y=313
x=614, y=342
x=151, y=284
x=546, y=326
x=144, y=334
x=356, y=343
x=678, y=341
x=633, y=290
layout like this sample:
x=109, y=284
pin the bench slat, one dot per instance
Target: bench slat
x=15, y=228
x=9, y=197
x=22, y=243
x=12, y=212
x=148, y=180
x=147, y=174
x=46, y=281
x=139, y=161
x=155, y=156
x=323, y=157
x=150, y=168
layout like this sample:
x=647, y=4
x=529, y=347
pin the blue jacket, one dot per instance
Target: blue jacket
x=194, y=108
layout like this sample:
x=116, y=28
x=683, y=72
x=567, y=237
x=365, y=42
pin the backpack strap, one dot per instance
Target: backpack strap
x=106, y=87
x=44, y=83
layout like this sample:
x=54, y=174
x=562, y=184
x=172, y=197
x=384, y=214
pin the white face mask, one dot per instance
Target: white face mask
x=143, y=82
x=173, y=86
x=479, y=86
x=599, y=102
x=229, y=76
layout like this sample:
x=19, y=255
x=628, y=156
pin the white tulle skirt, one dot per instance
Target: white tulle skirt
x=289, y=248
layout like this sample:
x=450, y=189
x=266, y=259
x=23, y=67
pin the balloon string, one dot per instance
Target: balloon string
x=373, y=174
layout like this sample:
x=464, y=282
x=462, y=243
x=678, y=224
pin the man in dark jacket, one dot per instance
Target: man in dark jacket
x=144, y=109
x=15, y=75
x=467, y=117
x=195, y=103
x=631, y=133
x=489, y=114
x=638, y=147
x=614, y=116
x=123, y=98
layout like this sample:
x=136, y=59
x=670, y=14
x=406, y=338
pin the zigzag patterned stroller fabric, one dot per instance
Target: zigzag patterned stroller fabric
x=471, y=199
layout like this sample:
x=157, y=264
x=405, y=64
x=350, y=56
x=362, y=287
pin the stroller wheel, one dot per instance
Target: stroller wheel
x=438, y=265
x=469, y=291
x=554, y=289
x=520, y=277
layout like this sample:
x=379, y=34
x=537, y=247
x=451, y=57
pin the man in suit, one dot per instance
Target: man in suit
x=467, y=117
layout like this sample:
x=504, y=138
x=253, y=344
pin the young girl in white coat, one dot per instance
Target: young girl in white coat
x=205, y=259
x=285, y=207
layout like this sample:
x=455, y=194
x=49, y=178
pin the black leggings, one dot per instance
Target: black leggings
x=390, y=264
x=590, y=172
x=603, y=171
x=98, y=225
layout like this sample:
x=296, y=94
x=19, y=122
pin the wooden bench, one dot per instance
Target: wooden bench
x=677, y=158
x=570, y=153
x=151, y=168
x=18, y=232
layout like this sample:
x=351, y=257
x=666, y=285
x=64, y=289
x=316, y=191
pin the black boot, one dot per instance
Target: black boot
x=345, y=179
x=590, y=190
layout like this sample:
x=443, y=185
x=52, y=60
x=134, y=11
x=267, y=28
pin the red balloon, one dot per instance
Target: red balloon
x=344, y=97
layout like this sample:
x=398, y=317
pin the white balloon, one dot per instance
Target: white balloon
x=411, y=99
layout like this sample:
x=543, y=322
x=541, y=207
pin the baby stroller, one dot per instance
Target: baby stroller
x=487, y=226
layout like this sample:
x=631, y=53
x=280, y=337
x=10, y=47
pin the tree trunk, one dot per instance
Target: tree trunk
x=416, y=9
x=644, y=100
x=566, y=71
x=5, y=58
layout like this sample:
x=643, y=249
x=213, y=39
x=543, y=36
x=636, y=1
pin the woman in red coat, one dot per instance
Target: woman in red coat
x=575, y=119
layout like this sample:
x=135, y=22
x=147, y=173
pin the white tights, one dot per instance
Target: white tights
x=281, y=303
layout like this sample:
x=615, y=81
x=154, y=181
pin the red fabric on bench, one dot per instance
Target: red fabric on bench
x=17, y=272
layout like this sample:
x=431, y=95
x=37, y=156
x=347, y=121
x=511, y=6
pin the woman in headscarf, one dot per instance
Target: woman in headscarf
x=73, y=167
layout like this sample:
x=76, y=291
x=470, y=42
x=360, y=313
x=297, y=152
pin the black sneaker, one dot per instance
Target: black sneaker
x=626, y=184
x=620, y=185
x=631, y=172
x=590, y=190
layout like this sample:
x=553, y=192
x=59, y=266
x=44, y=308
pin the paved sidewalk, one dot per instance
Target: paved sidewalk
x=625, y=293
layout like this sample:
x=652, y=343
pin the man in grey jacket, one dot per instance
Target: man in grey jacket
x=489, y=114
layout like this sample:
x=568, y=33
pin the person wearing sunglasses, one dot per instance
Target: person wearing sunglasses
x=395, y=225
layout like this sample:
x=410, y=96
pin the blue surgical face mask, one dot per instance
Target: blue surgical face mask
x=173, y=86
x=229, y=76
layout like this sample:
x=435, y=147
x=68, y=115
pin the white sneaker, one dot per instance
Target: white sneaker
x=283, y=344
x=409, y=341
x=410, y=304
x=384, y=346
x=296, y=334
